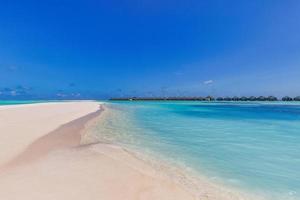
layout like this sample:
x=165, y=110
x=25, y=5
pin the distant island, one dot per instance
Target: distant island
x=208, y=98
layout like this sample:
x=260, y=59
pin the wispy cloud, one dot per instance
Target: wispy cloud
x=15, y=91
x=208, y=82
x=61, y=95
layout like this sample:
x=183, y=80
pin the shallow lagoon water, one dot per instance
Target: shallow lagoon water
x=253, y=147
x=10, y=102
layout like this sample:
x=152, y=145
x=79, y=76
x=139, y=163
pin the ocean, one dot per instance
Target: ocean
x=10, y=102
x=252, y=147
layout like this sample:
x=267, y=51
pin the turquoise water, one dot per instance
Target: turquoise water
x=254, y=147
x=9, y=102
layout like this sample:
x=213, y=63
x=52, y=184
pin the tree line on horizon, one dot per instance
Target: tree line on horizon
x=211, y=98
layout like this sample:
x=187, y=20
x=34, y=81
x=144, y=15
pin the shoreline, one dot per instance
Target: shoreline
x=102, y=171
x=197, y=184
x=72, y=152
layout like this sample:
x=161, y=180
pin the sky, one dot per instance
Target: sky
x=95, y=49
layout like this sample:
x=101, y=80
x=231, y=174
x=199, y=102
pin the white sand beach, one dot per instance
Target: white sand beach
x=41, y=157
x=21, y=125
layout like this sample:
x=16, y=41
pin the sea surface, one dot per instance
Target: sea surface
x=252, y=147
x=10, y=102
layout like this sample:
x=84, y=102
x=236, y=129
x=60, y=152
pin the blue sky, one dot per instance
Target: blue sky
x=100, y=49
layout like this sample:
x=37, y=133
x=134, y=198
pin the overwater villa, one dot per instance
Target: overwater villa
x=208, y=98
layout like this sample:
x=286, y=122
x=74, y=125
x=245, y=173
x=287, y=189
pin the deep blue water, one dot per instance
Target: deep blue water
x=254, y=147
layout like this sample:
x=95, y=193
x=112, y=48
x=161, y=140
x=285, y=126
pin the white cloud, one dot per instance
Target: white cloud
x=61, y=95
x=76, y=94
x=208, y=82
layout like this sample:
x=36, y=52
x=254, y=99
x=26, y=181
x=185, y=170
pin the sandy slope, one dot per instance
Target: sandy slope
x=21, y=125
x=54, y=166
